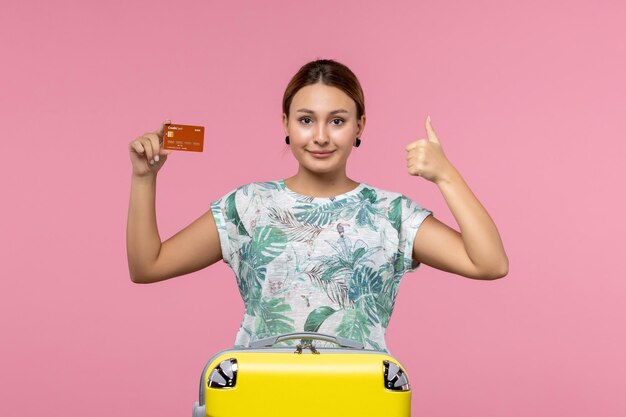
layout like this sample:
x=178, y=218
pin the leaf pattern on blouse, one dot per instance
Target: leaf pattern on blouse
x=324, y=264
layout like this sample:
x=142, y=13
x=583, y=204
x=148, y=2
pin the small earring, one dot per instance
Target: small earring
x=287, y=140
x=358, y=142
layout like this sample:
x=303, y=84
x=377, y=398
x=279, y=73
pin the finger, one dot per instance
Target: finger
x=413, y=170
x=147, y=146
x=430, y=131
x=156, y=146
x=160, y=130
x=137, y=147
x=416, y=152
x=415, y=144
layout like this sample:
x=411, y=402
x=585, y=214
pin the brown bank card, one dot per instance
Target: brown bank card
x=183, y=137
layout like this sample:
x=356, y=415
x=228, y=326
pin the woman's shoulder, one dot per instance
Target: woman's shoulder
x=259, y=187
x=386, y=193
x=246, y=190
x=394, y=201
x=254, y=189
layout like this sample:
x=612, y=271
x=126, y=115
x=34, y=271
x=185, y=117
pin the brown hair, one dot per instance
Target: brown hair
x=328, y=72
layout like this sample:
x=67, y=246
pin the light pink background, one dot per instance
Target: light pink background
x=527, y=99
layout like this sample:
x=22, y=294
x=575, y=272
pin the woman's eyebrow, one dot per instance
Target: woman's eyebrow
x=332, y=112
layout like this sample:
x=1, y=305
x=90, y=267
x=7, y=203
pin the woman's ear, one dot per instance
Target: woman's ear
x=285, y=123
x=361, y=124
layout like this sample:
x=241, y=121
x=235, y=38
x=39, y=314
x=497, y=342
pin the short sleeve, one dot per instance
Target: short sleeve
x=412, y=217
x=224, y=213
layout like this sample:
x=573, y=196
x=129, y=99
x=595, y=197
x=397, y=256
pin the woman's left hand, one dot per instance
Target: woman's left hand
x=425, y=157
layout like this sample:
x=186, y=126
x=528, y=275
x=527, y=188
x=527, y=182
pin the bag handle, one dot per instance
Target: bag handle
x=272, y=340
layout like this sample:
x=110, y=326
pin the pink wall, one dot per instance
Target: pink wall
x=527, y=99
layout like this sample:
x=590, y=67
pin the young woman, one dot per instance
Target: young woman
x=317, y=251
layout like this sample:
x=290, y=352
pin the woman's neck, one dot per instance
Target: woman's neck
x=320, y=185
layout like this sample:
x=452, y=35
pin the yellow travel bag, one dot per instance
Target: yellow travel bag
x=303, y=380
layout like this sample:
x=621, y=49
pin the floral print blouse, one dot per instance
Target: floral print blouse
x=318, y=264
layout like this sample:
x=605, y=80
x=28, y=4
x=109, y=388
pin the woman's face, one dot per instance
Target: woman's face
x=322, y=119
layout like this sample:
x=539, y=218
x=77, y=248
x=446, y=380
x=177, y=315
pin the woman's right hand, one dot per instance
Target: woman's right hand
x=146, y=152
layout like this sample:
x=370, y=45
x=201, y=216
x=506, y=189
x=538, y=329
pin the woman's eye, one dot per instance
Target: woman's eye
x=306, y=121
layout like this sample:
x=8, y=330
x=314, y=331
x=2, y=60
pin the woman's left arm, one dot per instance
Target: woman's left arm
x=477, y=251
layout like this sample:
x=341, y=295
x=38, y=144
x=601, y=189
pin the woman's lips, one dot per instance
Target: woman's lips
x=321, y=155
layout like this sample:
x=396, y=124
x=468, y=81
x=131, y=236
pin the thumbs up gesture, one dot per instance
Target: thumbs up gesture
x=425, y=158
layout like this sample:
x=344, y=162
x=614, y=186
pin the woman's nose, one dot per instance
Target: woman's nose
x=321, y=136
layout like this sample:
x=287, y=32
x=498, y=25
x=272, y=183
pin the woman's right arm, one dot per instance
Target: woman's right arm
x=150, y=260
